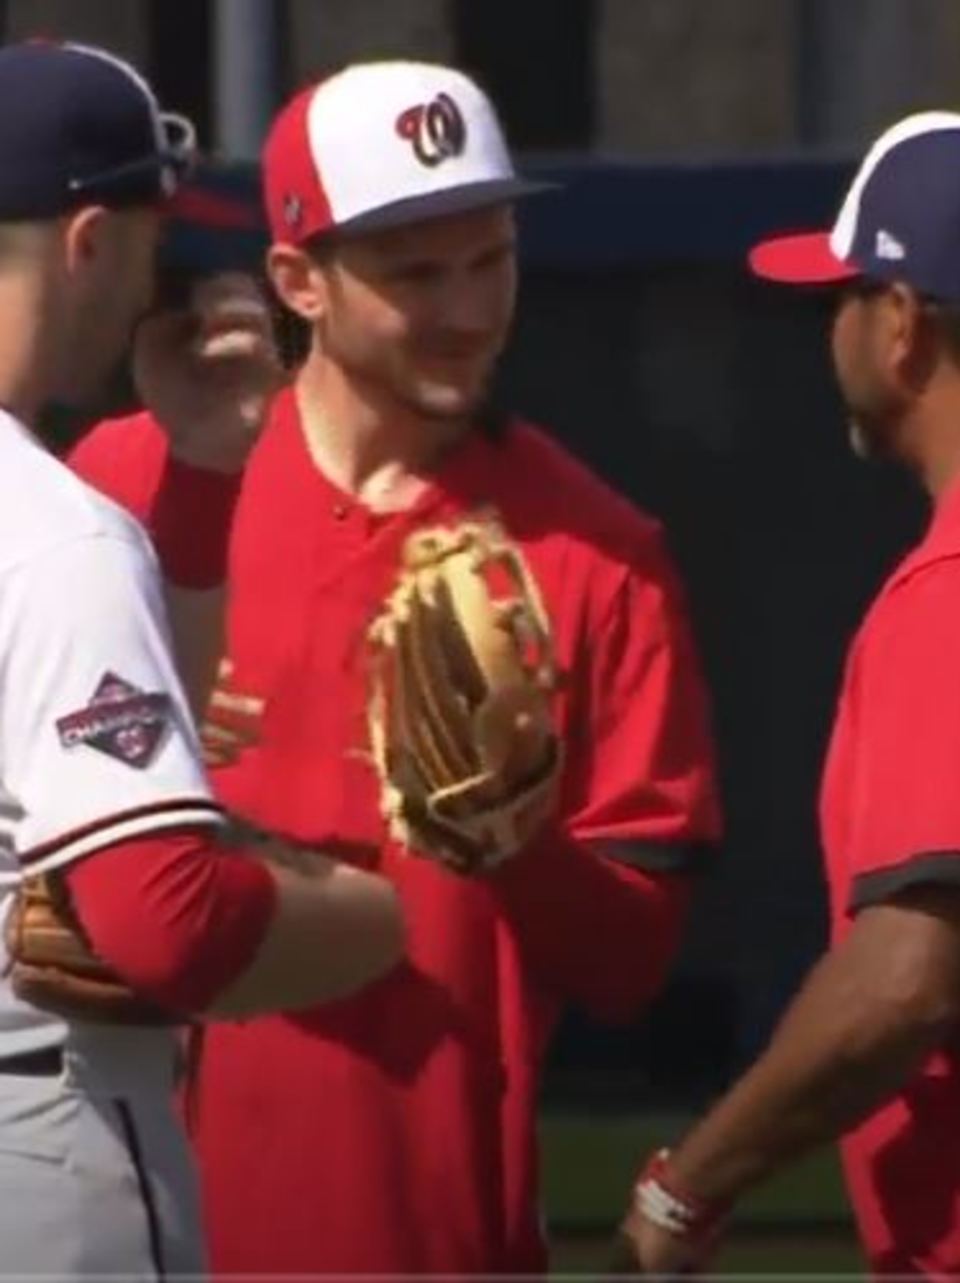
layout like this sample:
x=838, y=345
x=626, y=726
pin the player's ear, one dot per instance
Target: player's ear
x=84, y=233
x=299, y=281
x=911, y=341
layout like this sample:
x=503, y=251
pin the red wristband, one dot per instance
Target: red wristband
x=659, y=1200
x=190, y=522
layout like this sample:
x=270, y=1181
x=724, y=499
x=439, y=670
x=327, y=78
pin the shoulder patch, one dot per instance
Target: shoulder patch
x=120, y=720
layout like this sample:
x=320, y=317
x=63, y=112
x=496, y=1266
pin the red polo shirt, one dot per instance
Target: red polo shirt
x=395, y=1132
x=890, y=812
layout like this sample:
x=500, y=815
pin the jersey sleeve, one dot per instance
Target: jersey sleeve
x=598, y=901
x=96, y=743
x=187, y=510
x=640, y=780
x=123, y=458
x=902, y=806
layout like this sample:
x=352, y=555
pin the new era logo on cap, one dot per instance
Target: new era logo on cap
x=888, y=246
x=899, y=221
x=380, y=144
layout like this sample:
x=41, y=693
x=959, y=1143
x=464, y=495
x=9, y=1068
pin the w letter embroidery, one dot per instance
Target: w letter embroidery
x=436, y=131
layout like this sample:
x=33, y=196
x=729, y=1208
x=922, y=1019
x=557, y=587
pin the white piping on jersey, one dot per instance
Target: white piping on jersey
x=145, y=823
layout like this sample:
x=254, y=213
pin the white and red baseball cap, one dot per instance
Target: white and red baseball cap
x=381, y=144
x=899, y=221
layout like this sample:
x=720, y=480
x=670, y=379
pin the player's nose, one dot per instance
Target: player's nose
x=469, y=309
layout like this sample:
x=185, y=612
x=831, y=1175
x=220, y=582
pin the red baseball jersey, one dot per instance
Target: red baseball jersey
x=890, y=814
x=395, y=1132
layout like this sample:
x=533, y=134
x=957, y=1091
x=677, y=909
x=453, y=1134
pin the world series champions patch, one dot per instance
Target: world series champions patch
x=120, y=720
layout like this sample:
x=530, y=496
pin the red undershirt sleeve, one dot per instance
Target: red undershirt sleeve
x=600, y=932
x=902, y=817
x=176, y=915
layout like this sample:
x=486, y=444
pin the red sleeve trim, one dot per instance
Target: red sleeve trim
x=927, y=868
x=656, y=857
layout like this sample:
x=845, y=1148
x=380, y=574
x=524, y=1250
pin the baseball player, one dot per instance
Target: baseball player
x=395, y=1132
x=121, y=912
x=868, y=1050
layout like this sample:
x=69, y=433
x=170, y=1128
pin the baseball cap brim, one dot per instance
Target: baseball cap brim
x=803, y=259
x=452, y=200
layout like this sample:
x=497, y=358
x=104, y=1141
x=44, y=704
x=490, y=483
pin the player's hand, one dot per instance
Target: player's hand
x=647, y=1249
x=232, y=721
x=209, y=371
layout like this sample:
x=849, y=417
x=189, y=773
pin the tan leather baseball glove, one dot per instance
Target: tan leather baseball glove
x=459, y=711
x=52, y=965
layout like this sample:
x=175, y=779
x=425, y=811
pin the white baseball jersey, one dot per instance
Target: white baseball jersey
x=96, y=740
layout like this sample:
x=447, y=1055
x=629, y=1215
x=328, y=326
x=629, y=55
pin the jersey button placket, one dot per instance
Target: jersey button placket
x=349, y=522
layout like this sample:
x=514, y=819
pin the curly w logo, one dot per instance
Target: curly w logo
x=436, y=130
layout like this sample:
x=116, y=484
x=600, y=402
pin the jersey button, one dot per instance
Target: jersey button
x=341, y=511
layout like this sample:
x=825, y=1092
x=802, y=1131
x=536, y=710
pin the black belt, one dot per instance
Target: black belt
x=45, y=1062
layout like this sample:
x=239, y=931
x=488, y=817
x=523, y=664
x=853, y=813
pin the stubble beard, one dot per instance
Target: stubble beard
x=444, y=406
x=440, y=405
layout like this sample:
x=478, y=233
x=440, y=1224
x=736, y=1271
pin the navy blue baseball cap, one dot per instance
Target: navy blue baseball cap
x=80, y=126
x=899, y=221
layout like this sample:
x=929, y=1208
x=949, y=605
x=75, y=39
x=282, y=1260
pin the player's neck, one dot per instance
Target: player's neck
x=931, y=441
x=23, y=387
x=383, y=455
x=938, y=467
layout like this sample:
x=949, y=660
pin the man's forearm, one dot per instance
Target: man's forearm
x=839, y=1052
x=334, y=930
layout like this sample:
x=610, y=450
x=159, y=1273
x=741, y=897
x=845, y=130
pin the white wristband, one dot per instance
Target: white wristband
x=667, y=1208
